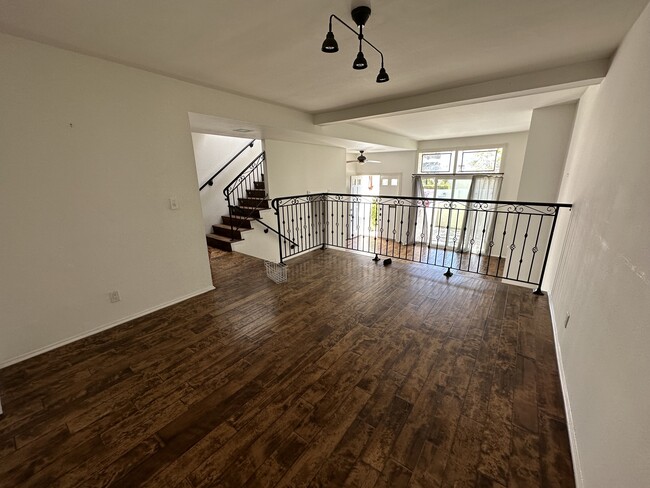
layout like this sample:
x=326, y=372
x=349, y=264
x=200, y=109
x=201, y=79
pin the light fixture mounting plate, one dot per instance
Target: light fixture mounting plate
x=360, y=15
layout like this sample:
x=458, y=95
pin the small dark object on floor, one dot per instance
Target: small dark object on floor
x=387, y=261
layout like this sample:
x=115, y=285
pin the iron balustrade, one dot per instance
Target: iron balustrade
x=502, y=239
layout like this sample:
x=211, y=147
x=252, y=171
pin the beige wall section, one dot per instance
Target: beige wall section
x=513, y=159
x=90, y=153
x=603, y=280
x=548, y=143
x=295, y=169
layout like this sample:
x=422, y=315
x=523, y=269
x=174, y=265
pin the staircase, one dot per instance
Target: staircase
x=232, y=226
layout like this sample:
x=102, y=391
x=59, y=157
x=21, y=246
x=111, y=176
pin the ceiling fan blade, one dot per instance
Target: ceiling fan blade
x=373, y=161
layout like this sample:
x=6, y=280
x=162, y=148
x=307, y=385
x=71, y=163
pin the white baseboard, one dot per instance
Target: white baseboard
x=577, y=468
x=110, y=325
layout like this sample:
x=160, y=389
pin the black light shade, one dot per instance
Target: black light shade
x=360, y=15
x=360, y=62
x=329, y=44
x=382, y=77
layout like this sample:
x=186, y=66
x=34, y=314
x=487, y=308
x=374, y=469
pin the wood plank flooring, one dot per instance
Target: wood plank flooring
x=349, y=374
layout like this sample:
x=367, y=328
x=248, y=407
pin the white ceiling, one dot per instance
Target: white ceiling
x=270, y=49
x=499, y=116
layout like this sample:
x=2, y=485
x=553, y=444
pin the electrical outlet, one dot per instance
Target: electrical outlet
x=566, y=321
x=114, y=296
x=173, y=204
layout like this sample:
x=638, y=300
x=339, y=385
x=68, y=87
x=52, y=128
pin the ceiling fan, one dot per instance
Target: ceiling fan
x=361, y=159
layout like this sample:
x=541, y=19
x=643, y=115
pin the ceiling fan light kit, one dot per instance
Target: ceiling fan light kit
x=360, y=14
x=362, y=159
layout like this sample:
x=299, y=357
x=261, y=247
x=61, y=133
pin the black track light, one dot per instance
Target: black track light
x=382, y=77
x=360, y=62
x=329, y=44
x=360, y=14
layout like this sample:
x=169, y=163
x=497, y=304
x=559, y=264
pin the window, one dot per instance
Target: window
x=460, y=174
x=439, y=162
x=484, y=160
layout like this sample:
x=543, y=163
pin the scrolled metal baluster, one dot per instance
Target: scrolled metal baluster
x=512, y=245
x=523, y=247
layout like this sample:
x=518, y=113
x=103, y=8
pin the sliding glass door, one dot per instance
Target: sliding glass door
x=446, y=225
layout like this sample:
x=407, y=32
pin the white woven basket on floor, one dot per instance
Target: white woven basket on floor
x=276, y=271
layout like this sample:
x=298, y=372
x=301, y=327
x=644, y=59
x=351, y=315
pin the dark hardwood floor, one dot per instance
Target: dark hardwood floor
x=348, y=374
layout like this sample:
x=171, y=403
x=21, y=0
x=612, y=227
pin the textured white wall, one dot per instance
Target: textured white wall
x=603, y=277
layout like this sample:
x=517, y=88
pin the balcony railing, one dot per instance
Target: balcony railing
x=502, y=239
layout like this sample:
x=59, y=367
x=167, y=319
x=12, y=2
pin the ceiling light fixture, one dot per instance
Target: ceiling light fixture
x=360, y=14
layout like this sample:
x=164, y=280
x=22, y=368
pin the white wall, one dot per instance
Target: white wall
x=211, y=153
x=295, y=169
x=604, y=273
x=85, y=208
x=90, y=155
x=512, y=161
x=549, y=137
x=548, y=143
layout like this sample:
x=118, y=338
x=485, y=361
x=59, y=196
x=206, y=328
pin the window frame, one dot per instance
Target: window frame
x=457, y=159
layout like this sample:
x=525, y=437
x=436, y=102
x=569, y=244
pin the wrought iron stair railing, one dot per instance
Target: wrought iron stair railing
x=502, y=239
x=251, y=176
x=210, y=181
x=266, y=226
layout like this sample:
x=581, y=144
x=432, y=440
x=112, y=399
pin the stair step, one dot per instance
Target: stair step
x=237, y=220
x=253, y=202
x=259, y=185
x=221, y=242
x=247, y=211
x=227, y=231
x=256, y=193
